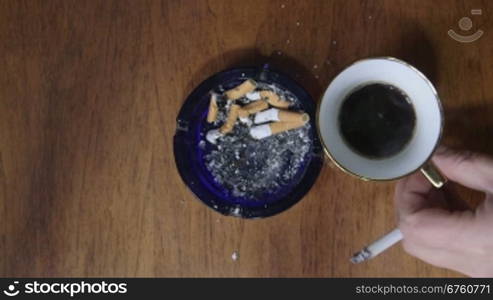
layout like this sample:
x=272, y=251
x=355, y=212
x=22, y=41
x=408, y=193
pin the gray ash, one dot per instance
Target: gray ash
x=249, y=168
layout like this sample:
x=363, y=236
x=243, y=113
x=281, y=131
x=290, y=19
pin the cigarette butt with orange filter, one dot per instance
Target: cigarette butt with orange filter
x=212, y=113
x=262, y=131
x=274, y=99
x=252, y=108
x=231, y=119
x=278, y=127
x=280, y=115
x=241, y=90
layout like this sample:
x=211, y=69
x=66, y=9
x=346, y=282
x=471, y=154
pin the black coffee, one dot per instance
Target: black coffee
x=377, y=120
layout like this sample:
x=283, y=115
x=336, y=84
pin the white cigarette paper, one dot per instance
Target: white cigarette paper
x=212, y=136
x=280, y=115
x=267, y=116
x=377, y=247
x=246, y=121
x=253, y=96
x=260, y=132
x=263, y=131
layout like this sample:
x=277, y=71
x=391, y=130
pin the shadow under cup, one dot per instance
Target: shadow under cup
x=428, y=119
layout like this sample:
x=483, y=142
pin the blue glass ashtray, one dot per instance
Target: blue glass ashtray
x=191, y=151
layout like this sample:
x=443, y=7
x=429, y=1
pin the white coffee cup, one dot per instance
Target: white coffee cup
x=428, y=126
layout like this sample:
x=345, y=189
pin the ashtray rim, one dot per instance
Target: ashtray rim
x=181, y=144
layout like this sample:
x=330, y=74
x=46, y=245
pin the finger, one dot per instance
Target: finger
x=434, y=256
x=436, y=227
x=411, y=194
x=467, y=168
x=440, y=257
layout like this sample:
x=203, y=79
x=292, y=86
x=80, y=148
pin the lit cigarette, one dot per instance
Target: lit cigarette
x=274, y=99
x=252, y=108
x=231, y=119
x=212, y=113
x=241, y=90
x=263, y=131
x=279, y=115
x=377, y=247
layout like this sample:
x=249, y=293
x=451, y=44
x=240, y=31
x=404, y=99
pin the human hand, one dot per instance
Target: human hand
x=441, y=229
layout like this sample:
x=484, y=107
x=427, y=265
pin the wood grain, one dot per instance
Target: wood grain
x=89, y=93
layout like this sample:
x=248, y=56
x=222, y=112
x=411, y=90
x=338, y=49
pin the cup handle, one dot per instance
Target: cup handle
x=433, y=175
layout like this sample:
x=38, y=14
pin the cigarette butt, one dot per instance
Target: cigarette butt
x=281, y=115
x=291, y=116
x=253, y=107
x=212, y=113
x=278, y=127
x=265, y=130
x=274, y=99
x=231, y=119
x=241, y=90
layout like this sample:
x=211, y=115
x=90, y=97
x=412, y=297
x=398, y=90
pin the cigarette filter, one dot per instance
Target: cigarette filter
x=241, y=90
x=252, y=108
x=278, y=127
x=281, y=115
x=231, y=119
x=212, y=113
x=274, y=99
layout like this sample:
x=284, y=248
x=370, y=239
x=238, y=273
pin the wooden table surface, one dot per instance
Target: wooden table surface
x=89, y=93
